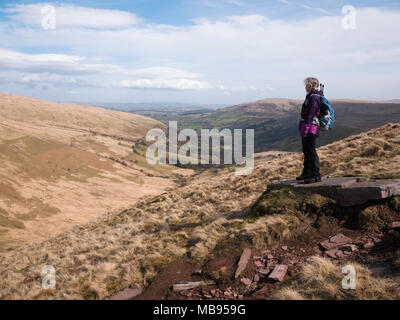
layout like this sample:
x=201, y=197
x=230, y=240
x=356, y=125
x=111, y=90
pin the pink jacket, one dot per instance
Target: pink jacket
x=310, y=111
x=308, y=128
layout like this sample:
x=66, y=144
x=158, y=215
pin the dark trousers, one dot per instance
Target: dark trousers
x=311, y=159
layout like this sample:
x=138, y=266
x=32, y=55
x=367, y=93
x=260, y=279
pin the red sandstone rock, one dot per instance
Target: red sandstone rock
x=244, y=259
x=279, y=272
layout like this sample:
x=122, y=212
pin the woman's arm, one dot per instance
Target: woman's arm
x=313, y=107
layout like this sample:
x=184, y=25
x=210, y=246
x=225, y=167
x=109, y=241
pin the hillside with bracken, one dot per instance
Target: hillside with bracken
x=212, y=217
x=64, y=165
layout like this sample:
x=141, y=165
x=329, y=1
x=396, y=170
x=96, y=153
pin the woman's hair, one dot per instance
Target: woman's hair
x=313, y=82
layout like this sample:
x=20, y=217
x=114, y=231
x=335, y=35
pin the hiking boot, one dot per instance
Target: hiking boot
x=312, y=180
x=302, y=176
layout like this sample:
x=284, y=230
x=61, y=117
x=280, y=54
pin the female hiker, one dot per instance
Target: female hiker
x=309, y=131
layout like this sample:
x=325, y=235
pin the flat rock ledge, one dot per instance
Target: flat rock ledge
x=347, y=191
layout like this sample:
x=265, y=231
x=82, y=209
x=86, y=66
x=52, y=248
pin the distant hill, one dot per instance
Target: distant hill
x=276, y=120
x=65, y=164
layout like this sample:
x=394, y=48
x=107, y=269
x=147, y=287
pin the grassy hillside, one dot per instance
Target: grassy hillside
x=276, y=120
x=63, y=165
x=98, y=259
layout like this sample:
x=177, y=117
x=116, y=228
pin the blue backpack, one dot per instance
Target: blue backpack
x=327, y=114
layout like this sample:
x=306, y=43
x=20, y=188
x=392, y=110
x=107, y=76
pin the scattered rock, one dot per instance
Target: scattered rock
x=395, y=225
x=267, y=254
x=253, y=286
x=333, y=253
x=285, y=248
x=246, y=281
x=263, y=271
x=244, y=259
x=256, y=278
x=198, y=271
x=335, y=241
x=340, y=239
x=279, y=272
x=186, y=285
x=256, y=258
x=368, y=245
x=259, y=264
x=339, y=254
x=348, y=248
x=127, y=294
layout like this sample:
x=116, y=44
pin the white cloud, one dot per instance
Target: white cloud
x=47, y=78
x=51, y=69
x=162, y=72
x=68, y=64
x=236, y=52
x=73, y=16
x=11, y=59
x=166, y=84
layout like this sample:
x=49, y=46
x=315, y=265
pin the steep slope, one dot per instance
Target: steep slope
x=74, y=119
x=98, y=259
x=276, y=120
x=65, y=164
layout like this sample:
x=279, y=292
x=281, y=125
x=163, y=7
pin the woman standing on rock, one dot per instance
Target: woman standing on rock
x=309, y=131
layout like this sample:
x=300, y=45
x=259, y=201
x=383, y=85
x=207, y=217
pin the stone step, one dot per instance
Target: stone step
x=347, y=191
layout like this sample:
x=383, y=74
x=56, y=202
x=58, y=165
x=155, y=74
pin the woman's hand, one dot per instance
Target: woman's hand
x=304, y=129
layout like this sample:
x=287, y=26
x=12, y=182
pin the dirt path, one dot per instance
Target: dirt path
x=371, y=246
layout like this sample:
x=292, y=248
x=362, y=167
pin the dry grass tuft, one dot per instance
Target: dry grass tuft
x=322, y=280
x=369, y=218
x=395, y=203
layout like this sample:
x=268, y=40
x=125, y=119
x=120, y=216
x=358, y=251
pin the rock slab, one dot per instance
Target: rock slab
x=279, y=272
x=186, y=285
x=347, y=191
x=244, y=259
x=127, y=294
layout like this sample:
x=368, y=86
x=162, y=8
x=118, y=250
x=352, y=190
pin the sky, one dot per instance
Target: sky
x=198, y=51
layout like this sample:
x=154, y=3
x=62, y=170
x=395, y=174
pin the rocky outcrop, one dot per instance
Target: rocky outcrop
x=347, y=191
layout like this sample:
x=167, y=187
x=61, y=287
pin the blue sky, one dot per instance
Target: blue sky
x=206, y=51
